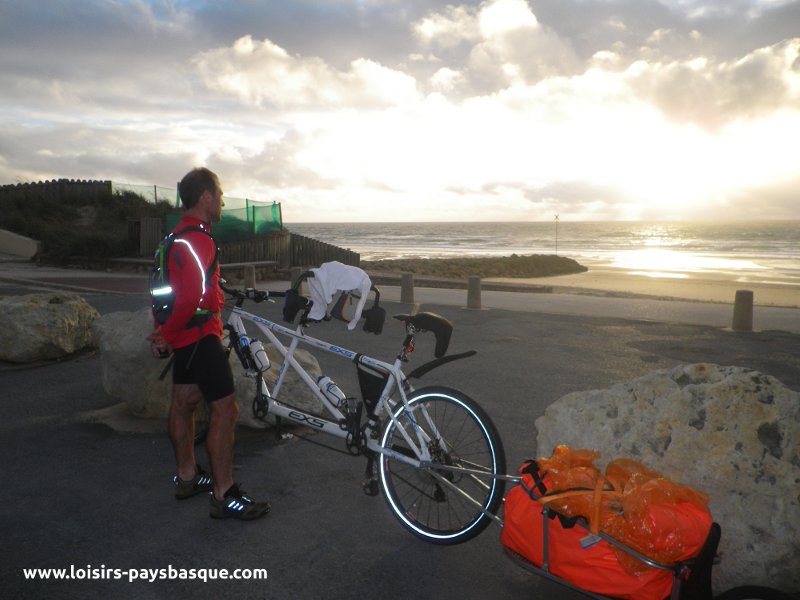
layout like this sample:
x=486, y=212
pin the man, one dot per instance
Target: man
x=201, y=371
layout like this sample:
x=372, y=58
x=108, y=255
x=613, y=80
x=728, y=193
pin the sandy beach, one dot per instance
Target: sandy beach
x=602, y=279
x=702, y=287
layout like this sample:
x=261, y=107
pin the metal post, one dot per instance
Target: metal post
x=556, y=234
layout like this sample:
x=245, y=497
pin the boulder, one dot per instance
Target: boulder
x=129, y=371
x=729, y=432
x=48, y=326
x=131, y=374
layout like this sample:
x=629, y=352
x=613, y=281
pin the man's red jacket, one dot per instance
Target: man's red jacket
x=190, y=258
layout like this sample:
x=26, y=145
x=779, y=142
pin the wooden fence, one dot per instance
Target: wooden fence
x=273, y=246
x=288, y=250
x=57, y=189
x=285, y=248
x=307, y=252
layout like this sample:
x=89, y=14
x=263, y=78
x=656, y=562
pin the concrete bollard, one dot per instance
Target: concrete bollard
x=250, y=276
x=474, y=292
x=743, y=311
x=407, y=288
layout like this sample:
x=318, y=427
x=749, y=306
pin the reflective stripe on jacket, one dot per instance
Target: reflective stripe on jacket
x=191, y=256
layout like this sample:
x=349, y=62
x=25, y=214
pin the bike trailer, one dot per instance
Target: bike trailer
x=577, y=550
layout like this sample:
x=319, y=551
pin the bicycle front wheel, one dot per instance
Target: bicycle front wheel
x=450, y=500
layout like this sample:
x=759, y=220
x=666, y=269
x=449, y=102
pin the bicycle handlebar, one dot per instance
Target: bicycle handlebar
x=250, y=293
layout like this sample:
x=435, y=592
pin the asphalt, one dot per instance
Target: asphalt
x=81, y=492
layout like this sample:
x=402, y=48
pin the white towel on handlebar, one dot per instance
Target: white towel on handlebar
x=332, y=277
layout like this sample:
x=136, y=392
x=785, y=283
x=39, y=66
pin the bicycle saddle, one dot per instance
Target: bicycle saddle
x=427, y=321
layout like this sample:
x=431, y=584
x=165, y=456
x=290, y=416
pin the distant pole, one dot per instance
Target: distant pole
x=556, y=220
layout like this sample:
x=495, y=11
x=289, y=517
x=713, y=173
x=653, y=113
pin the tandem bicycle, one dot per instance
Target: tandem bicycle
x=432, y=452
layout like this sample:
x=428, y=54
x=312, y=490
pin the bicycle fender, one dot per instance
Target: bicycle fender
x=438, y=362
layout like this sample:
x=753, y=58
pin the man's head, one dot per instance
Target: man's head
x=200, y=191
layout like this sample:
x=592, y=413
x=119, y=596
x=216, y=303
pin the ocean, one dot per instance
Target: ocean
x=768, y=250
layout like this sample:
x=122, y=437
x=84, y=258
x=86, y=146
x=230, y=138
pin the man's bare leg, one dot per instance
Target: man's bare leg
x=185, y=399
x=220, y=439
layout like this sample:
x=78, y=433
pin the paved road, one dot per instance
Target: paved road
x=577, y=304
x=83, y=494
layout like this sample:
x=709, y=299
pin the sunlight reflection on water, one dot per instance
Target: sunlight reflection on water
x=659, y=274
x=661, y=260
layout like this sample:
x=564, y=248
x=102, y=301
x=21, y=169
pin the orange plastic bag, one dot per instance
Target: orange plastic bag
x=636, y=506
x=659, y=517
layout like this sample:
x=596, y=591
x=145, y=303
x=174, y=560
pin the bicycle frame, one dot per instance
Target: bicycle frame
x=396, y=381
x=434, y=447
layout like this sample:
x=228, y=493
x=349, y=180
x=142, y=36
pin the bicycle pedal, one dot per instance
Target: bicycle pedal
x=370, y=487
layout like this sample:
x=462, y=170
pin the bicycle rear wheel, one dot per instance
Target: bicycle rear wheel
x=443, y=505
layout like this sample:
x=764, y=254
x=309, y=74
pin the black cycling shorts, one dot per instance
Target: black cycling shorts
x=206, y=365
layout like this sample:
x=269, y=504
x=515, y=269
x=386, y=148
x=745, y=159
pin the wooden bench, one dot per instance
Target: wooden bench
x=256, y=263
x=241, y=269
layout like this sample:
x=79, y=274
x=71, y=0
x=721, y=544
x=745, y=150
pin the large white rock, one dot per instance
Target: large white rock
x=38, y=327
x=293, y=391
x=131, y=374
x=730, y=432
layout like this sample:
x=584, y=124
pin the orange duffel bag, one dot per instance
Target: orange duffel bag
x=659, y=519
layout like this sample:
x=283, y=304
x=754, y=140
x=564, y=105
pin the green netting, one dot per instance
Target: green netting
x=235, y=203
x=265, y=218
x=241, y=223
x=241, y=218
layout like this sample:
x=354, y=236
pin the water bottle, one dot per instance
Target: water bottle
x=332, y=392
x=260, y=359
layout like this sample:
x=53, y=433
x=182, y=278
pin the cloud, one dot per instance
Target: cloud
x=777, y=200
x=504, y=44
x=264, y=74
x=712, y=93
x=623, y=108
x=455, y=26
x=573, y=194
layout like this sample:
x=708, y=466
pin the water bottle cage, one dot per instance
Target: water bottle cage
x=243, y=354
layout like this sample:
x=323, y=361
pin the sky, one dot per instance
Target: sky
x=416, y=110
